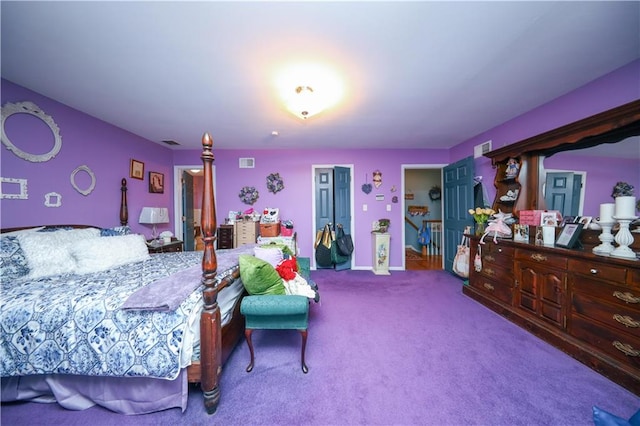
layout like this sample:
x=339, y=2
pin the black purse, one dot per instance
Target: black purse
x=323, y=248
x=344, y=242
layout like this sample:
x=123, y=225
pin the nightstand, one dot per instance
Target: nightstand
x=174, y=246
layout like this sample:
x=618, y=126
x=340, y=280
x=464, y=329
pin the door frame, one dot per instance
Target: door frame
x=177, y=195
x=313, y=207
x=404, y=168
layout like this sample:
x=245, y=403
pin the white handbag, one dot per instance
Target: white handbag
x=461, y=260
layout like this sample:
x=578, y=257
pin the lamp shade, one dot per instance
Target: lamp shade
x=153, y=215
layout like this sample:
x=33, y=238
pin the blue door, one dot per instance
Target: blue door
x=187, y=208
x=333, y=201
x=458, y=199
x=562, y=192
x=342, y=204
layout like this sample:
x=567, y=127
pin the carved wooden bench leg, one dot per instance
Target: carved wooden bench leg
x=247, y=335
x=305, y=369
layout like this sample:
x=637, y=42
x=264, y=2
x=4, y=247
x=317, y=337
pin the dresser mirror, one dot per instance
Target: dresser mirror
x=576, y=182
x=565, y=148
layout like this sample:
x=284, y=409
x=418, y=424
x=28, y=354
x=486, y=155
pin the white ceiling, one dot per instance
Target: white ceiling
x=418, y=74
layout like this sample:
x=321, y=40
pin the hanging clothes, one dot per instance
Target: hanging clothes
x=424, y=235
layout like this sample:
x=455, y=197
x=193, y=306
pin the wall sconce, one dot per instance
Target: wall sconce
x=153, y=216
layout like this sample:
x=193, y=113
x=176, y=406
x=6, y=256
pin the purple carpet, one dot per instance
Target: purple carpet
x=409, y=349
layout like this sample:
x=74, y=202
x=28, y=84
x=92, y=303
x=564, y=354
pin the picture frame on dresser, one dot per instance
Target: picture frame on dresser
x=520, y=232
x=548, y=218
x=585, y=221
x=569, y=235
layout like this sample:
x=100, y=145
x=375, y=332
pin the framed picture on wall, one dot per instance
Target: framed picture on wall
x=156, y=183
x=136, y=169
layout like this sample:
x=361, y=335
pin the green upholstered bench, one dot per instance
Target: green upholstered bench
x=276, y=312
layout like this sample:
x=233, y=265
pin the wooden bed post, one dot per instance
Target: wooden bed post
x=124, y=211
x=210, y=328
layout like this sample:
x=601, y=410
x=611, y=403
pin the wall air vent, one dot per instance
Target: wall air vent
x=170, y=142
x=480, y=150
x=247, y=163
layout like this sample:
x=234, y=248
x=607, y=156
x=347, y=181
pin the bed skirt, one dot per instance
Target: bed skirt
x=125, y=395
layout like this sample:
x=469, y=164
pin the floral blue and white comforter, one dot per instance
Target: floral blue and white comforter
x=73, y=324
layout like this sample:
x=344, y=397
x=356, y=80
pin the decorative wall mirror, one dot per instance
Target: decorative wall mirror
x=30, y=108
x=13, y=188
x=52, y=199
x=91, y=175
x=609, y=128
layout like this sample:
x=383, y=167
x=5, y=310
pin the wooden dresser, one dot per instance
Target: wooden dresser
x=586, y=305
x=225, y=237
x=245, y=232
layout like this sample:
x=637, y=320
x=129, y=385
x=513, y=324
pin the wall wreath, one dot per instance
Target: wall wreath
x=435, y=193
x=249, y=195
x=275, y=183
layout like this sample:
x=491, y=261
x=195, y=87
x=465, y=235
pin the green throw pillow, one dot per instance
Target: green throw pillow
x=259, y=277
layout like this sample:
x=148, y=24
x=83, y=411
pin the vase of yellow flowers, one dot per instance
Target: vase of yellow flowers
x=481, y=216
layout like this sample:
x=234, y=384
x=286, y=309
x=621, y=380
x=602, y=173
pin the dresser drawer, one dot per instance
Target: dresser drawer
x=614, y=295
x=543, y=258
x=502, y=272
x=490, y=249
x=598, y=270
x=623, y=317
x=498, y=290
x=622, y=346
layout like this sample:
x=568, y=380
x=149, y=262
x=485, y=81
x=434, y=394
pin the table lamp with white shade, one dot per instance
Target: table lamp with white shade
x=153, y=216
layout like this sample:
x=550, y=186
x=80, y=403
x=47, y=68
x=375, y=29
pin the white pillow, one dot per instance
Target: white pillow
x=271, y=255
x=105, y=253
x=48, y=252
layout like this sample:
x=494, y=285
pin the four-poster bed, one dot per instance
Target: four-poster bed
x=84, y=369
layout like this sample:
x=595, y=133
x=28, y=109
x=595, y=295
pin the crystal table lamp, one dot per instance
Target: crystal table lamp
x=153, y=216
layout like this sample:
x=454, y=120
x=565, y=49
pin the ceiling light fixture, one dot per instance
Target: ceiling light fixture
x=308, y=89
x=305, y=103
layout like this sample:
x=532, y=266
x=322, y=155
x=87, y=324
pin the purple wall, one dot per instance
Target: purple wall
x=295, y=201
x=105, y=149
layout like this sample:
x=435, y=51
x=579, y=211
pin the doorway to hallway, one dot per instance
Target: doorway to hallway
x=423, y=209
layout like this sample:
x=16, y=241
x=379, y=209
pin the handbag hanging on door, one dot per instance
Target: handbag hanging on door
x=344, y=242
x=461, y=260
x=323, y=247
x=336, y=257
